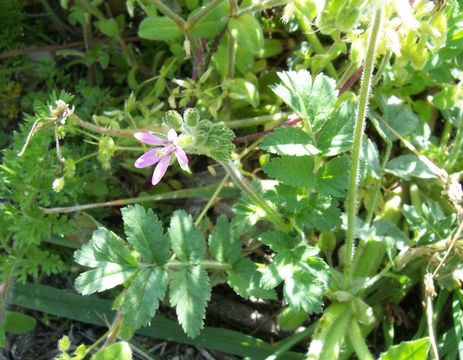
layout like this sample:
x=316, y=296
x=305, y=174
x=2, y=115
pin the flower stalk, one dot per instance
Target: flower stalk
x=243, y=184
x=363, y=101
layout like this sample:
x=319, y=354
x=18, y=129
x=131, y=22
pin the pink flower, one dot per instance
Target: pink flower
x=161, y=155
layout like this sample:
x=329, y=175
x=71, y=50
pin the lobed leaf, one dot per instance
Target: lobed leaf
x=189, y=293
x=288, y=140
x=104, y=247
x=291, y=170
x=145, y=233
x=186, y=240
x=223, y=244
x=103, y=277
x=142, y=298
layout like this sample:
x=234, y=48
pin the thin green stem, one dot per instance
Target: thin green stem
x=203, y=191
x=211, y=200
x=167, y=11
x=256, y=120
x=379, y=183
x=312, y=38
x=243, y=184
x=202, y=12
x=358, y=133
x=107, y=131
x=347, y=74
x=115, y=329
x=86, y=157
x=358, y=341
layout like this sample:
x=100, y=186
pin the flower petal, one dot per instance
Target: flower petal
x=148, y=138
x=147, y=159
x=172, y=135
x=182, y=158
x=160, y=169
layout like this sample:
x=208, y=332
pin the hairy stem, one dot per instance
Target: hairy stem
x=313, y=40
x=358, y=342
x=357, y=146
x=243, y=184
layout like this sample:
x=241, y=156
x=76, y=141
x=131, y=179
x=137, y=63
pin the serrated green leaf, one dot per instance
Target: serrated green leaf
x=223, y=244
x=142, y=298
x=408, y=350
x=305, y=277
x=159, y=28
x=278, y=241
x=145, y=233
x=104, y=247
x=288, y=198
x=336, y=136
x=333, y=177
x=322, y=214
x=247, y=31
x=245, y=279
x=397, y=116
x=186, y=240
x=408, y=166
x=117, y=351
x=314, y=100
x=189, y=293
x=288, y=140
x=291, y=170
x=102, y=278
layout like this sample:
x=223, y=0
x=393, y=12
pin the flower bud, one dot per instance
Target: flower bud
x=173, y=120
x=347, y=18
x=191, y=116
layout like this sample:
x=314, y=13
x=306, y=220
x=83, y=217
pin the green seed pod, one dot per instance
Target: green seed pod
x=327, y=242
x=173, y=120
x=191, y=116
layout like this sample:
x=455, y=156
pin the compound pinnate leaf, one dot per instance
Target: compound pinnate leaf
x=187, y=242
x=102, y=278
x=143, y=295
x=313, y=100
x=224, y=246
x=145, y=233
x=408, y=350
x=289, y=141
x=189, y=293
x=291, y=170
